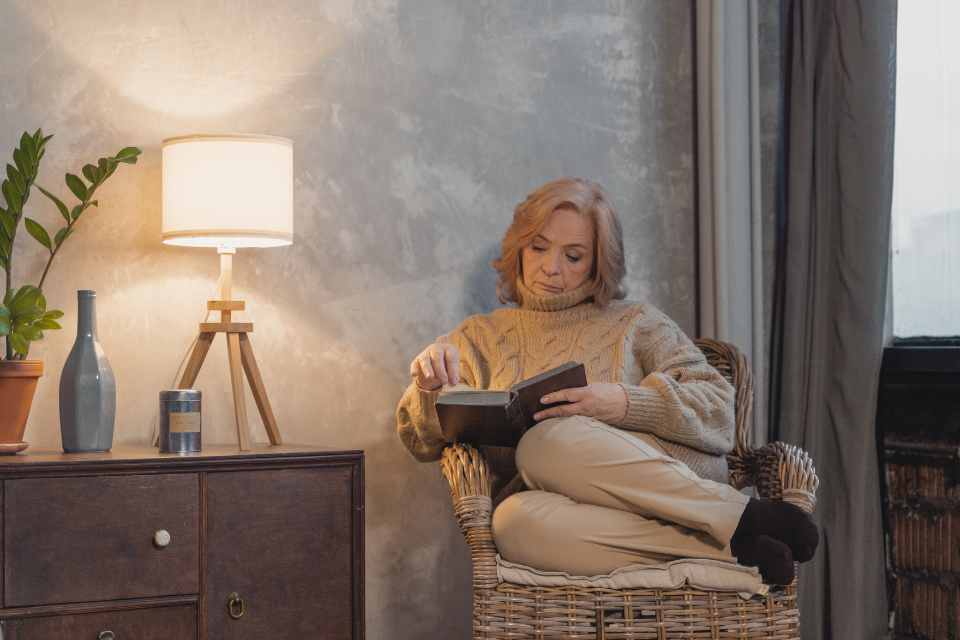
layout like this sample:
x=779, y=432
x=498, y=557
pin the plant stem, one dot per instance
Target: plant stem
x=47, y=268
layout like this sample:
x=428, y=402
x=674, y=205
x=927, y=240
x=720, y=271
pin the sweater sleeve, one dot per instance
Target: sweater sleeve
x=682, y=398
x=417, y=422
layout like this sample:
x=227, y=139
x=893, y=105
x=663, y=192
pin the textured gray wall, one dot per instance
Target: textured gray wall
x=417, y=126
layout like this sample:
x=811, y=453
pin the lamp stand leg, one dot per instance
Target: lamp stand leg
x=197, y=357
x=259, y=390
x=236, y=381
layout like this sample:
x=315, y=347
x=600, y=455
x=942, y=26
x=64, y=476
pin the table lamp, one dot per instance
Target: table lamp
x=229, y=192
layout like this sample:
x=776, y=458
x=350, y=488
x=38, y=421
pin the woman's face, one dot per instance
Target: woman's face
x=560, y=258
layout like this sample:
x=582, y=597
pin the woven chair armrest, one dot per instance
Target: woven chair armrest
x=778, y=471
x=467, y=471
x=468, y=475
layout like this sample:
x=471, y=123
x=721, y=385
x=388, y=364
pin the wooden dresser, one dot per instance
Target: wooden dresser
x=137, y=545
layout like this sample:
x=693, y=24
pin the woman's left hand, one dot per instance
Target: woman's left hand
x=604, y=401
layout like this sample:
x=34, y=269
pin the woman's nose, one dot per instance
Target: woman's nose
x=551, y=264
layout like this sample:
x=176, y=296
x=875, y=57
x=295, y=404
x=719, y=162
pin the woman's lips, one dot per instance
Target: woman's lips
x=550, y=288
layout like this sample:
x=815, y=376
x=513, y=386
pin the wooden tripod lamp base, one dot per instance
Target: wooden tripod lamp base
x=240, y=353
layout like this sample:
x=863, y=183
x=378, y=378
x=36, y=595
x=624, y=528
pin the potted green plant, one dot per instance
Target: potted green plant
x=24, y=315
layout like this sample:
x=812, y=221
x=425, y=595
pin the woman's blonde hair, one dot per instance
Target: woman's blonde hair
x=529, y=218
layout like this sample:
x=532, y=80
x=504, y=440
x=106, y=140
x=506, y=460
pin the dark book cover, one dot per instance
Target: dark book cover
x=499, y=418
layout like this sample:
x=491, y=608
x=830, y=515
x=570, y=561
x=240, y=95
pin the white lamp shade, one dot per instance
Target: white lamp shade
x=227, y=191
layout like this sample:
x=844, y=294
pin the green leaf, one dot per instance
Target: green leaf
x=32, y=332
x=16, y=178
x=76, y=211
x=47, y=325
x=25, y=320
x=4, y=321
x=22, y=162
x=62, y=235
x=28, y=145
x=76, y=186
x=57, y=201
x=38, y=232
x=14, y=202
x=26, y=300
x=8, y=222
x=19, y=343
x=53, y=314
x=90, y=173
x=128, y=155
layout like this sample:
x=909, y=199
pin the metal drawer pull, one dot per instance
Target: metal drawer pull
x=235, y=606
x=106, y=635
x=161, y=538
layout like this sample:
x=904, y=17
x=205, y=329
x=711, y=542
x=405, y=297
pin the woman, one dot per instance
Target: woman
x=632, y=468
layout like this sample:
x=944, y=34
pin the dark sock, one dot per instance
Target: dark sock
x=782, y=521
x=771, y=556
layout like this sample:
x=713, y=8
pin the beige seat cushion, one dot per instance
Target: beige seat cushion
x=710, y=575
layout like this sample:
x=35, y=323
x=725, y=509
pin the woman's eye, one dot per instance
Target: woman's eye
x=538, y=249
x=573, y=258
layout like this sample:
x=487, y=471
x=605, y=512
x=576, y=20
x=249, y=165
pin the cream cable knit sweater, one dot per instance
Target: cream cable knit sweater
x=675, y=400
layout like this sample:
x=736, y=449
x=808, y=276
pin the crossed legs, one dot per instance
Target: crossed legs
x=604, y=498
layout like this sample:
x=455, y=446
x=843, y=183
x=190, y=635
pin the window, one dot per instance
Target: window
x=926, y=182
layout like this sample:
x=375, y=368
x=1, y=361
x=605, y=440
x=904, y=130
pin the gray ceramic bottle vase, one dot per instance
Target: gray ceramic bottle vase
x=88, y=391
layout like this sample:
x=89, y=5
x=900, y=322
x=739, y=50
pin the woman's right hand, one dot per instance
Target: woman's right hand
x=437, y=365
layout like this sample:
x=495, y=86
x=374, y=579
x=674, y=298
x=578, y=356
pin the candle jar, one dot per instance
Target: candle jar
x=179, y=421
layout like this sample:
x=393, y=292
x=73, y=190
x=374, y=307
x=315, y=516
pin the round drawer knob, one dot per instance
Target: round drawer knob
x=161, y=539
x=106, y=635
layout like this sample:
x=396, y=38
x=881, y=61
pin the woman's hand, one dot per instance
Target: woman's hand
x=437, y=365
x=602, y=400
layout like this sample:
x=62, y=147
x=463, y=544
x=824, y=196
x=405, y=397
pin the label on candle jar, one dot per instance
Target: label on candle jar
x=186, y=422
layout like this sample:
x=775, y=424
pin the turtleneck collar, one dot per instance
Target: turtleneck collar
x=533, y=301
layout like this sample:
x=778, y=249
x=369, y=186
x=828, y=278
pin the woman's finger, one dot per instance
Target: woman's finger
x=573, y=394
x=452, y=359
x=425, y=367
x=560, y=411
x=439, y=368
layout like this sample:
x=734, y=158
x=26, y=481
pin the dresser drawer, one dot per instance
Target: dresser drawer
x=86, y=539
x=160, y=623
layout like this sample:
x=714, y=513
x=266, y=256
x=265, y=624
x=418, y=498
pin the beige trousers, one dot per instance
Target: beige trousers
x=604, y=498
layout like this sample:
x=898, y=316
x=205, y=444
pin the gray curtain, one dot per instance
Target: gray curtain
x=830, y=292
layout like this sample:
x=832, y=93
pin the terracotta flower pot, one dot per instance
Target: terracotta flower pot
x=18, y=382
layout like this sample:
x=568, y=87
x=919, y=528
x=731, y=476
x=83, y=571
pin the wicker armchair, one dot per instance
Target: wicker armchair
x=509, y=611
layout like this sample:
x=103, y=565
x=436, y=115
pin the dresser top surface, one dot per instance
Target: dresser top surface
x=122, y=455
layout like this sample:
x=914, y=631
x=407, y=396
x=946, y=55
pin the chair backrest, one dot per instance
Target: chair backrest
x=733, y=365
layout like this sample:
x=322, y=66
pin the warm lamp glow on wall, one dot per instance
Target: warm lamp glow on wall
x=229, y=192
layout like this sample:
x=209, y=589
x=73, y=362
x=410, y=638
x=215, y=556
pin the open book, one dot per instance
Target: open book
x=499, y=418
